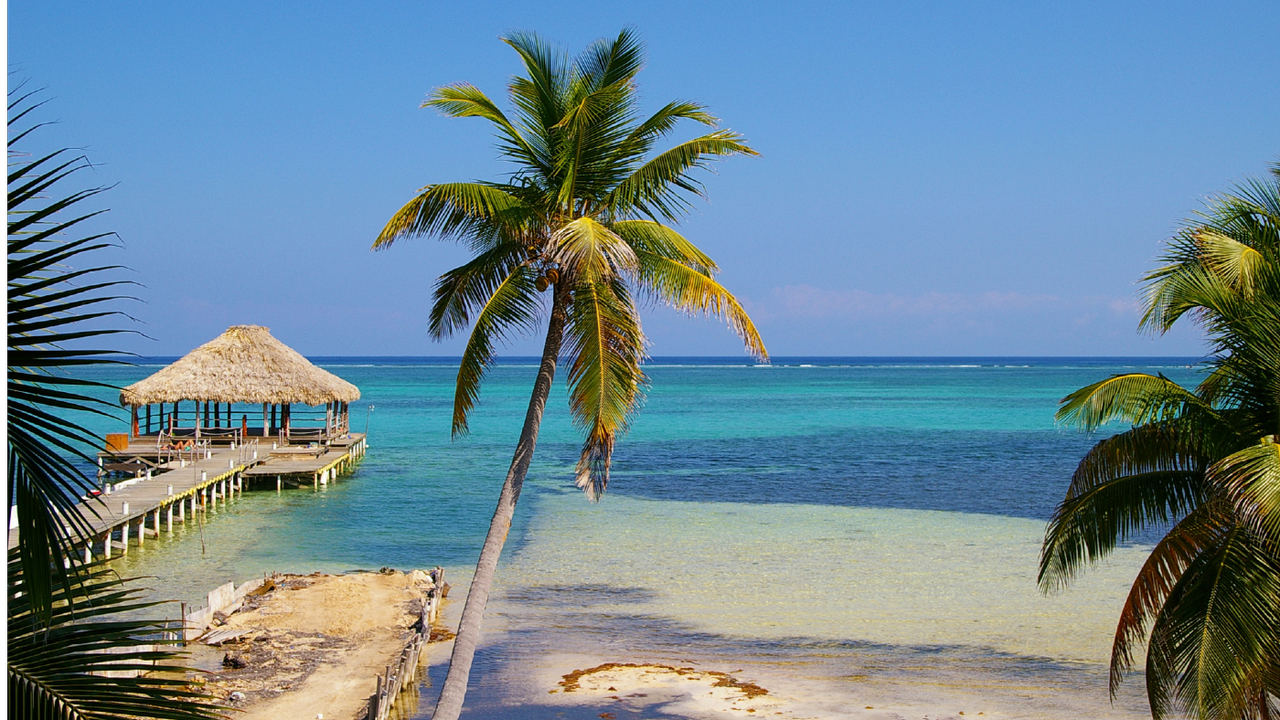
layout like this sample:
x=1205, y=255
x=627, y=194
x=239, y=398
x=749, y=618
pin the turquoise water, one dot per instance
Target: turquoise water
x=847, y=532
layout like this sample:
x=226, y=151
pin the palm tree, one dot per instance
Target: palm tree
x=585, y=214
x=59, y=608
x=1201, y=464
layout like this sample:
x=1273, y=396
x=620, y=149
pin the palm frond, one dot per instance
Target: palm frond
x=463, y=290
x=591, y=251
x=481, y=214
x=1132, y=398
x=1184, y=542
x=58, y=666
x=1086, y=528
x=1251, y=478
x=466, y=100
x=684, y=288
x=1236, y=263
x=655, y=188
x=62, y=635
x=609, y=62
x=53, y=309
x=606, y=345
x=1217, y=630
x=512, y=306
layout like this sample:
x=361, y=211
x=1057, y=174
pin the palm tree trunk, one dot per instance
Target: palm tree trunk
x=464, y=646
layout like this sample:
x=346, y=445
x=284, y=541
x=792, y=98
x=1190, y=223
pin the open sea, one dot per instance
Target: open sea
x=858, y=535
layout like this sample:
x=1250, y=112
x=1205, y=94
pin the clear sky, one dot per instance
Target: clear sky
x=936, y=178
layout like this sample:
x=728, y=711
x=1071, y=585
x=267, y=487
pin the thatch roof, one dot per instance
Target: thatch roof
x=246, y=365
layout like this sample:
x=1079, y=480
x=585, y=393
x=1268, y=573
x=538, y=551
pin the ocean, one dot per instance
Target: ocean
x=857, y=535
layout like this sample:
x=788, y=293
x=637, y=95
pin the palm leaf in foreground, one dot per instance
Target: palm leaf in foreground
x=64, y=627
x=57, y=669
x=1200, y=465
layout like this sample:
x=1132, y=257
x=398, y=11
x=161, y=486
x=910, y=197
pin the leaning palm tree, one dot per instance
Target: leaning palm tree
x=1201, y=464
x=585, y=215
x=64, y=629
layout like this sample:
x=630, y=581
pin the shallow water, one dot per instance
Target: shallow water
x=855, y=533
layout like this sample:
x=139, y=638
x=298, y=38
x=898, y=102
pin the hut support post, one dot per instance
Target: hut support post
x=148, y=418
x=266, y=430
x=133, y=425
x=106, y=545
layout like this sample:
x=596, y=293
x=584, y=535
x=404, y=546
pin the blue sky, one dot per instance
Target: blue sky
x=935, y=179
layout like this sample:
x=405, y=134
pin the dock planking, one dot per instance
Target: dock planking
x=176, y=489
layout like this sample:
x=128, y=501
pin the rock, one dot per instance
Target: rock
x=219, y=617
x=236, y=696
x=235, y=662
x=387, y=570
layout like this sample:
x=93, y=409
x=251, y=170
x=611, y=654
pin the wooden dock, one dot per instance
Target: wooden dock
x=174, y=489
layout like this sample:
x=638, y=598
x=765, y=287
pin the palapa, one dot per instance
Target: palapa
x=242, y=365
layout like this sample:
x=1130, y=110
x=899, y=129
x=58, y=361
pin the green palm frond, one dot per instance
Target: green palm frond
x=57, y=668
x=64, y=632
x=655, y=188
x=658, y=239
x=1086, y=528
x=1131, y=398
x=512, y=306
x=1236, y=263
x=466, y=100
x=1252, y=479
x=1185, y=541
x=1210, y=590
x=605, y=380
x=53, y=309
x=480, y=214
x=1216, y=633
x=591, y=251
x=695, y=293
x=463, y=291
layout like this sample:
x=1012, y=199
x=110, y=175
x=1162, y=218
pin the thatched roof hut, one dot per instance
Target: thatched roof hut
x=242, y=365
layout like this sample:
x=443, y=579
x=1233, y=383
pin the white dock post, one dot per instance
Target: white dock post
x=278, y=483
x=142, y=527
x=156, y=521
x=88, y=552
x=168, y=519
x=182, y=511
x=315, y=480
x=106, y=545
x=124, y=537
x=124, y=509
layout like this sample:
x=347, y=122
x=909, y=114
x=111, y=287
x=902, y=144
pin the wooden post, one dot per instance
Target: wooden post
x=288, y=421
x=278, y=483
x=168, y=519
x=266, y=429
x=182, y=511
x=106, y=545
x=133, y=425
x=124, y=537
x=156, y=521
